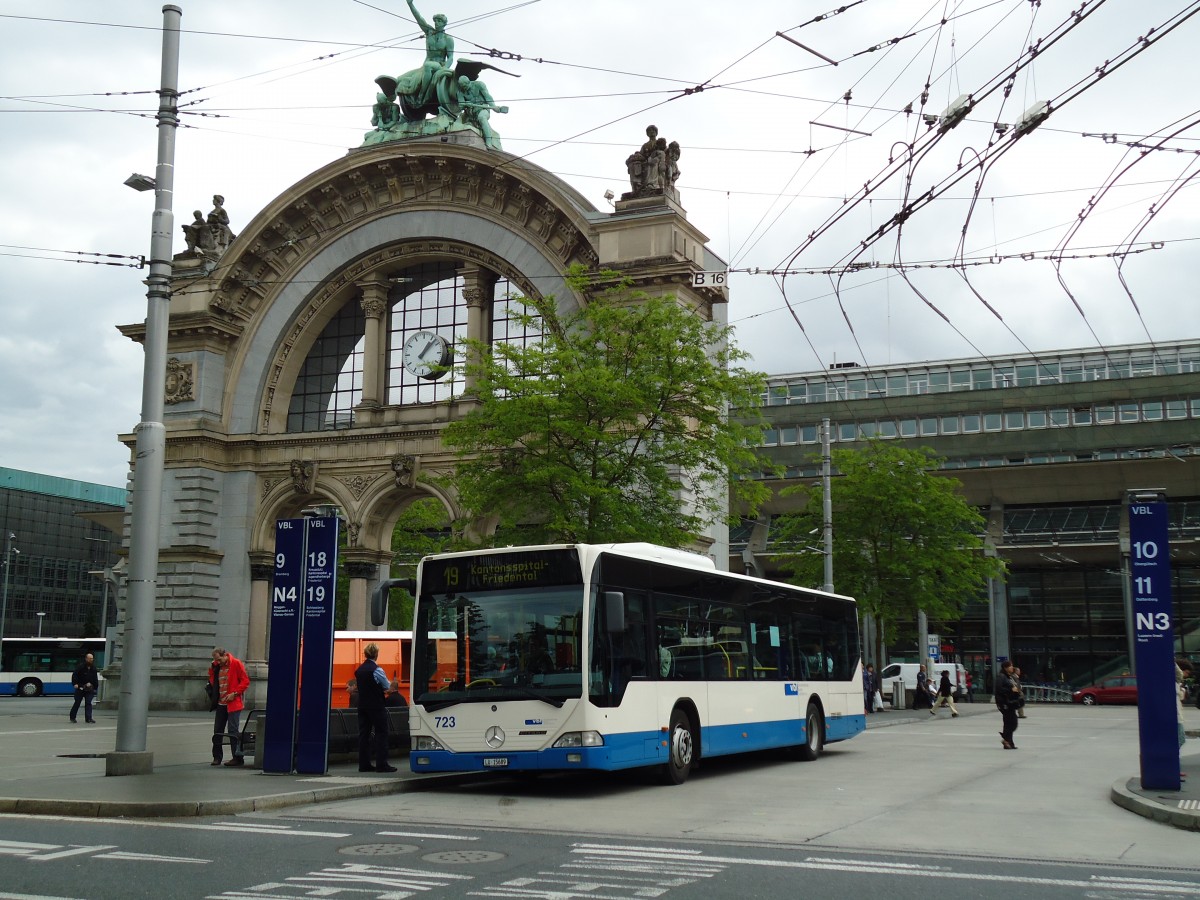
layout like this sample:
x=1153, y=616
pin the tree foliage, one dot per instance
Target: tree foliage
x=589, y=433
x=903, y=538
x=423, y=528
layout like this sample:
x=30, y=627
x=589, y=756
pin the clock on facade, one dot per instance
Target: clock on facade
x=427, y=355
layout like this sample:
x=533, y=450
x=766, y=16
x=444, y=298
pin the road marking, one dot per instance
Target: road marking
x=4, y=896
x=426, y=834
x=874, y=867
x=74, y=851
x=399, y=882
x=24, y=848
x=150, y=857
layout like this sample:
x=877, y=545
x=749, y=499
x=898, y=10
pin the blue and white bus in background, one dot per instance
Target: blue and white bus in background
x=36, y=666
x=606, y=657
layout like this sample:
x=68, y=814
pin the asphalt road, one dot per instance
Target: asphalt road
x=922, y=808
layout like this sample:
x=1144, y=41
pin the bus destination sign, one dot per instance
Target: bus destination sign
x=498, y=571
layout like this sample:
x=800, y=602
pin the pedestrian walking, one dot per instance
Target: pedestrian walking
x=869, y=688
x=84, y=680
x=1016, y=675
x=228, y=675
x=921, y=696
x=1183, y=671
x=373, y=684
x=945, y=696
x=1008, y=699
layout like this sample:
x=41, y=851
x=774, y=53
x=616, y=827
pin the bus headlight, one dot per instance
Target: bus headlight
x=580, y=739
x=427, y=743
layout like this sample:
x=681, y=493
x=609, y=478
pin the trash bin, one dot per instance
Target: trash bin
x=898, y=693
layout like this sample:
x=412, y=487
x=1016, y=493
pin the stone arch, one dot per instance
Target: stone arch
x=240, y=330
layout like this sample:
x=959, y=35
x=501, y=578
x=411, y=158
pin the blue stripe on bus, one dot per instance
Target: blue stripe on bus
x=49, y=689
x=632, y=749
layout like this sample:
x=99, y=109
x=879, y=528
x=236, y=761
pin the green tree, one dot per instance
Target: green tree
x=588, y=433
x=423, y=528
x=903, y=537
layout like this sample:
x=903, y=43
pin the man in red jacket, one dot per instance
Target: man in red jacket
x=228, y=675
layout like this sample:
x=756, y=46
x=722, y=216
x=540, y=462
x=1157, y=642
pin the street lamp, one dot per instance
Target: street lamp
x=106, y=574
x=41, y=618
x=131, y=756
x=9, y=551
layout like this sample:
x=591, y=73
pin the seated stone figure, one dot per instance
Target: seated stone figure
x=477, y=103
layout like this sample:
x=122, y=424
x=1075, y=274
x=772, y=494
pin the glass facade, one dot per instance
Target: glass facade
x=57, y=567
x=1048, y=445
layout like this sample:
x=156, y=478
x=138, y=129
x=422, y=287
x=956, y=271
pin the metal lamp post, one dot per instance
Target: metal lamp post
x=105, y=574
x=131, y=756
x=41, y=618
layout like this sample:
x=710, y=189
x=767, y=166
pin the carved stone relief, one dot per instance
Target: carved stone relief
x=180, y=381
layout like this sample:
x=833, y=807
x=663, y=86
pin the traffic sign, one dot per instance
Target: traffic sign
x=717, y=279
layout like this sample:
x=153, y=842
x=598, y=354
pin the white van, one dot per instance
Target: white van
x=908, y=671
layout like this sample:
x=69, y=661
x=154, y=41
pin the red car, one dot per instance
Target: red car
x=1114, y=689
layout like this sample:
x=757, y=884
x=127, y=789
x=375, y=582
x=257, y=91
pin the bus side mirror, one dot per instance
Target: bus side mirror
x=379, y=597
x=614, y=611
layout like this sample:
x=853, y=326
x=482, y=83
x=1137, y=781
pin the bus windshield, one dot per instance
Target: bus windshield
x=504, y=645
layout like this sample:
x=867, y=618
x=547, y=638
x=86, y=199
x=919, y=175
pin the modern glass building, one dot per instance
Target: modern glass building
x=1048, y=447
x=63, y=539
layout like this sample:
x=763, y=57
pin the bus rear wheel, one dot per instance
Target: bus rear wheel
x=814, y=734
x=681, y=749
x=30, y=687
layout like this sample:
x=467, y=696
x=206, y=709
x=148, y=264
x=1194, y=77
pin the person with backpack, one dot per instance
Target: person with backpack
x=373, y=685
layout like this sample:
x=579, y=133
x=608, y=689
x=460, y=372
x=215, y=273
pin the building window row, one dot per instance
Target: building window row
x=977, y=422
x=813, y=470
x=852, y=383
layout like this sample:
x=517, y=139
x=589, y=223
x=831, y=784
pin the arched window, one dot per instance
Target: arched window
x=427, y=315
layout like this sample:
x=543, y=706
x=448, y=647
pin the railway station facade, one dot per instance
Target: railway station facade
x=1048, y=447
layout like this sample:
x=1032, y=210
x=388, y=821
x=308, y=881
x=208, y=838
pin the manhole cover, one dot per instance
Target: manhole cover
x=378, y=849
x=460, y=857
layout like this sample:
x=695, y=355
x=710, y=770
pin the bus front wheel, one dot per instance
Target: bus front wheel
x=814, y=734
x=681, y=749
x=30, y=687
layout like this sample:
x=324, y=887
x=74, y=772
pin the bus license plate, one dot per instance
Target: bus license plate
x=495, y=762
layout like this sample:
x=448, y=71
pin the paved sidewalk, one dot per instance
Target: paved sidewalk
x=1178, y=808
x=54, y=768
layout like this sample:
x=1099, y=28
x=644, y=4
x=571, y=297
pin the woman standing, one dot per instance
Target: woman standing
x=1008, y=699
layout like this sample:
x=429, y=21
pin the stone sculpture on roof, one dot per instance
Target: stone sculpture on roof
x=654, y=168
x=441, y=97
x=207, y=239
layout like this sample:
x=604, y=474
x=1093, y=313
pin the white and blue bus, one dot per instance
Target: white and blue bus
x=31, y=667
x=615, y=656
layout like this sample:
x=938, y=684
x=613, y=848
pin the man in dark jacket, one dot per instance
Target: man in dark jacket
x=373, y=684
x=84, y=679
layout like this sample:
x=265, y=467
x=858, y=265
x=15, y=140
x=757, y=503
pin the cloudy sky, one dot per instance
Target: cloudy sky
x=904, y=241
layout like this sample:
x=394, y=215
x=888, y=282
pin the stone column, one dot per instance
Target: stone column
x=361, y=574
x=261, y=572
x=374, y=302
x=479, y=289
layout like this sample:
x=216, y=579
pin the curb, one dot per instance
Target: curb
x=1165, y=809
x=178, y=809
